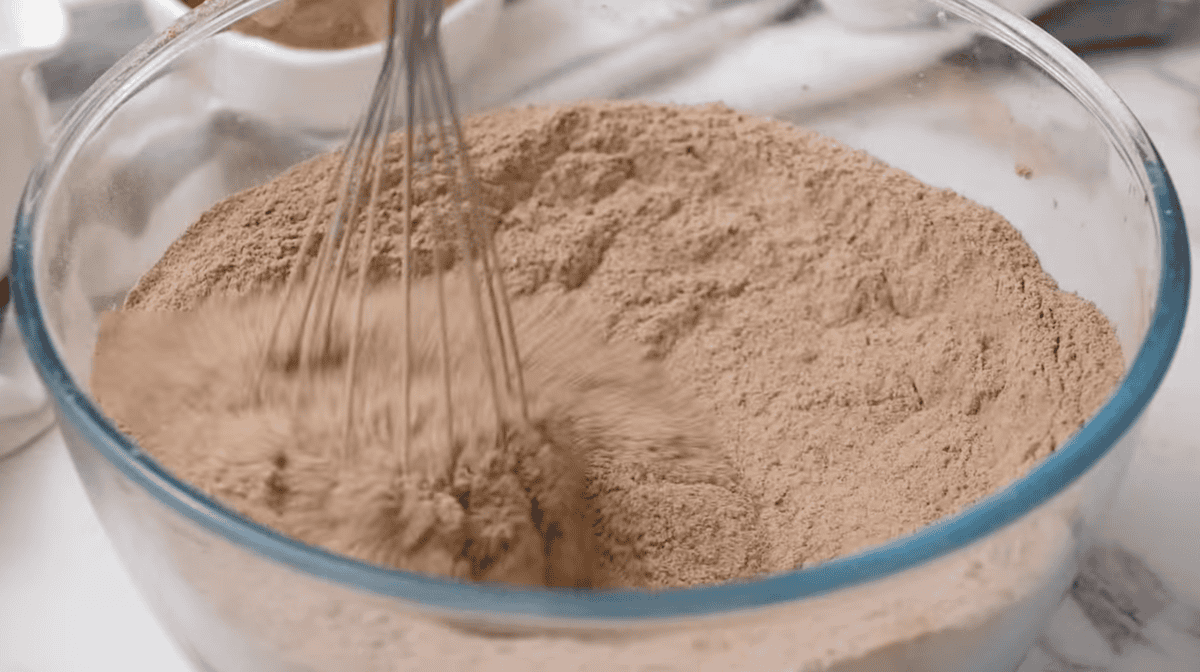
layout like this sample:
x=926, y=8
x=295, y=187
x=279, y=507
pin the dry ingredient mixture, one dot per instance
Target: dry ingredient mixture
x=318, y=24
x=271, y=448
x=846, y=353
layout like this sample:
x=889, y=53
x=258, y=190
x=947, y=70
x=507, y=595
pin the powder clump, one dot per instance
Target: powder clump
x=871, y=353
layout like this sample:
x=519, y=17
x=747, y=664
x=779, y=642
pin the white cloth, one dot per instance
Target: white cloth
x=551, y=50
x=24, y=411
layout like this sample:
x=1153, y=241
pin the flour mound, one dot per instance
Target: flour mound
x=872, y=353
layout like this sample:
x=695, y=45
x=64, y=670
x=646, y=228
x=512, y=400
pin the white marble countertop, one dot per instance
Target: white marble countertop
x=66, y=603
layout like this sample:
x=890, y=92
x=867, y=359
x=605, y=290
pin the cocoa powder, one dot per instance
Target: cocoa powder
x=497, y=501
x=873, y=353
x=318, y=24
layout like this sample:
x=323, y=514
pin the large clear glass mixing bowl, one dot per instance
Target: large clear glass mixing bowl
x=971, y=97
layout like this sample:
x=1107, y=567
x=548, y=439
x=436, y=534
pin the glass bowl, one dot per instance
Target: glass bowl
x=985, y=104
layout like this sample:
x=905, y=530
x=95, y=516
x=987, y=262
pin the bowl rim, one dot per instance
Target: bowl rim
x=616, y=606
x=307, y=56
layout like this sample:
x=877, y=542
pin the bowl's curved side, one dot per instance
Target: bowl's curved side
x=1060, y=470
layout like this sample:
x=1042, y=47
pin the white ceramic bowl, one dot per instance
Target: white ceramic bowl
x=260, y=76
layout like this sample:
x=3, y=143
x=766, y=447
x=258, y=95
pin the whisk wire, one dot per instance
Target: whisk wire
x=440, y=288
x=473, y=229
x=409, y=46
x=433, y=140
x=378, y=151
x=431, y=115
x=495, y=276
x=347, y=180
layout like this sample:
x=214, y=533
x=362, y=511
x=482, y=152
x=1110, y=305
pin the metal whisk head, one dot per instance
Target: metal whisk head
x=413, y=89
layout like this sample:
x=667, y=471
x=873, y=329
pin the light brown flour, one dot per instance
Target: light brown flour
x=318, y=24
x=873, y=353
x=508, y=502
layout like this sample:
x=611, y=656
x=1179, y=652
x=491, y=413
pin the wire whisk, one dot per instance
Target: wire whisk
x=413, y=92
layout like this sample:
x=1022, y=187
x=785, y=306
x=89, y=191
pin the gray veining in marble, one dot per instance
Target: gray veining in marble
x=1118, y=617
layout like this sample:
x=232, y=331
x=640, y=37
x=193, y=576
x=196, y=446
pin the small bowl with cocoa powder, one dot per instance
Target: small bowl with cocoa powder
x=855, y=385
x=313, y=62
